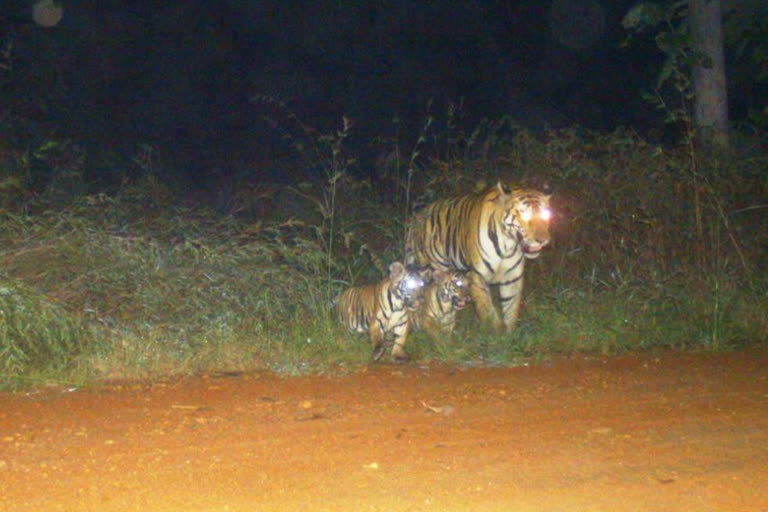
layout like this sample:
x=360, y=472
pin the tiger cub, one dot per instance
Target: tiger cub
x=383, y=309
x=443, y=297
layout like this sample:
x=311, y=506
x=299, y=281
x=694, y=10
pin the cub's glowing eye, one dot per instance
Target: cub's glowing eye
x=459, y=283
x=526, y=215
x=412, y=283
x=545, y=213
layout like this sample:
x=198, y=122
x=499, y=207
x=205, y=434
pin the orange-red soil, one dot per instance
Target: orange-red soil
x=664, y=432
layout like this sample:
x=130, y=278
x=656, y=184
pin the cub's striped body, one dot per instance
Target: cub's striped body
x=383, y=309
x=443, y=297
x=489, y=235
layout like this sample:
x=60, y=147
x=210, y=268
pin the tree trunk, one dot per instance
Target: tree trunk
x=710, y=114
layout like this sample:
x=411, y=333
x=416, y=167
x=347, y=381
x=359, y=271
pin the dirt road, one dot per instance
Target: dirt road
x=647, y=433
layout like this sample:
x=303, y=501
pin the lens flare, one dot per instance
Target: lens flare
x=413, y=283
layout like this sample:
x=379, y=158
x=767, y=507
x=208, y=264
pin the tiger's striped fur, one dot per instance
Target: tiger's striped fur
x=489, y=235
x=383, y=310
x=443, y=297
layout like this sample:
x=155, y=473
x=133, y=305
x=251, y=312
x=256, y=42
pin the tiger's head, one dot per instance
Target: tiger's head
x=526, y=217
x=407, y=284
x=452, y=288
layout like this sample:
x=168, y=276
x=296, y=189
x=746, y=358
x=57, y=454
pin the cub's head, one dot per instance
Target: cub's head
x=525, y=217
x=406, y=284
x=452, y=288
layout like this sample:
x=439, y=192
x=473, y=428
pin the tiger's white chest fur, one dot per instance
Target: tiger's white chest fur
x=501, y=256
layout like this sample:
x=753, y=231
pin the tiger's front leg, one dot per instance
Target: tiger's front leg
x=509, y=296
x=440, y=331
x=447, y=331
x=483, y=301
x=399, y=333
x=377, y=339
x=399, y=354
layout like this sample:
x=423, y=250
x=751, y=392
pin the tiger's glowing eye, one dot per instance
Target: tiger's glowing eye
x=459, y=283
x=545, y=213
x=413, y=283
x=526, y=215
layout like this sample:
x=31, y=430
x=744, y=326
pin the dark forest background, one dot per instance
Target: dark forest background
x=200, y=81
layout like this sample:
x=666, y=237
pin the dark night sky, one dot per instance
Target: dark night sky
x=183, y=75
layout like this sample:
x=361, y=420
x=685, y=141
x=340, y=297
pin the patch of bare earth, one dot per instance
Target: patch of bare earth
x=662, y=432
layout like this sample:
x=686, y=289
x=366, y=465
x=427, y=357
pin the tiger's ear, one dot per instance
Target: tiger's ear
x=504, y=198
x=396, y=269
x=425, y=272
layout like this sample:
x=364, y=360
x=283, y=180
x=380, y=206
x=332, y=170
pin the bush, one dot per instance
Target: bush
x=648, y=252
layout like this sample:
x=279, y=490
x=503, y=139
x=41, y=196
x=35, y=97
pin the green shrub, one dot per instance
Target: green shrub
x=646, y=254
x=36, y=334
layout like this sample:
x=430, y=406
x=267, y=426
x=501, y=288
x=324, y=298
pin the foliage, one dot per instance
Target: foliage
x=746, y=32
x=669, y=23
x=36, y=333
x=141, y=282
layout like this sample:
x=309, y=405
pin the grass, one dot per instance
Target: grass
x=36, y=334
x=135, y=284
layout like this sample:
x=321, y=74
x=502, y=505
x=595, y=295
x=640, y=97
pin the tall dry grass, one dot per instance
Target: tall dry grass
x=648, y=252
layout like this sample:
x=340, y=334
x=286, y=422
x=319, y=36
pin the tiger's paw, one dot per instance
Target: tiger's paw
x=378, y=351
x=401, y=356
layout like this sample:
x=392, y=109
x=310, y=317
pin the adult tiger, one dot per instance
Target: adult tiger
x=489, y=235
x=383, y=309
x=443, y=297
